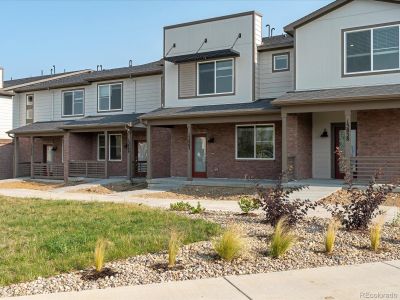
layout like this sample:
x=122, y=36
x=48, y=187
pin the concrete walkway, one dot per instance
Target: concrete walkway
x=366, y=281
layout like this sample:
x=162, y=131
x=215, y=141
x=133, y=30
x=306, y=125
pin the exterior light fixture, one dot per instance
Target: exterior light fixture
x=324, y=134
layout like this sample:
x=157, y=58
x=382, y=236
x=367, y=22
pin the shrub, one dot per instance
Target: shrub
x=231, y=244
x=198, y=209
x=180, y=206
x=248, y=204
x=375, y=235
x=282, y=239
x=99, y=253
x=330, y=236
x=276, y=203
x=173, y=247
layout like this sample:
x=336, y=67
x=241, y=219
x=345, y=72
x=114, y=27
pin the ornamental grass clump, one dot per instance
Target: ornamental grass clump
x=282, y=240
x=99, y=253
x=174, y=244
x=330, y=236
x=231, y=244
x=375, y=235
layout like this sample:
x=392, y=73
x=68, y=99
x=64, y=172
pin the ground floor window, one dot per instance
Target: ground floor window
x=114, y=147
x=255, y=141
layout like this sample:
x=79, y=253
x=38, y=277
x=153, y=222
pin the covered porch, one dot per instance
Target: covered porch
x=86, y=148
x=361, y=122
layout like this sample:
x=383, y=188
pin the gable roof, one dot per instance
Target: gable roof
x=290, y=28
x=86, y=78
x=276, y=42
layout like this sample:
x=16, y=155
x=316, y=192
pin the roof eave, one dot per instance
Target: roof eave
x=131, y=75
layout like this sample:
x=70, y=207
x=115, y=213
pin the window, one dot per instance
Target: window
x=215, y=77
x=29, y=109
x=255, y=142
x=73, y=103
x=372, y=50
x=280, y=62
x=110, y=97
x=114, y=147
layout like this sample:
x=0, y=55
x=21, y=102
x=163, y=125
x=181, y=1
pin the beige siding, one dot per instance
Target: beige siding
x=274, y=84
x=187, y=80
x=148, y=93
x=258, y=41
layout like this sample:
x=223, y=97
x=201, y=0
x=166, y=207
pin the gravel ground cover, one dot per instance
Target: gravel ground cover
x=341, y=197
x=204, y=192
x=198, y=260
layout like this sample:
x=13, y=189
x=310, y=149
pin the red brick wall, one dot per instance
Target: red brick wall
x=6, y=159
x=378, y=132
x=161, y=152
x=221, y=162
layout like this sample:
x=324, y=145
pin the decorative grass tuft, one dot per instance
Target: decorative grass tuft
x=330, y=236
x=99, y=253
x=282, y=239
x=231, y=244
x=174, y=245
x=375, y=235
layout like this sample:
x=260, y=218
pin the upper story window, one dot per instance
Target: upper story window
x=29, y=109
x=372, y=50
x=215, y=77
x=280, y=62
x=73, y=103
x=109, y=97
x=255, y=142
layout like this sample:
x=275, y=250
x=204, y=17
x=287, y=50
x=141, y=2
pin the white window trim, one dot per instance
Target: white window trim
x=109, y=98
x=73, y=102
x=109, y=146
x=215, y=77
x=287, y=61
x=371, y=29
x=255, y=138
x=98, y=147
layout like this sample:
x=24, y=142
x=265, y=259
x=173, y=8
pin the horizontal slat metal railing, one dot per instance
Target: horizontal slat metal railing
x=86, y=168
x=48, y=170
x=363, y=168
x=24, y=169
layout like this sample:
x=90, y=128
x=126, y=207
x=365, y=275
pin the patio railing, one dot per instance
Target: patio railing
x=48, y=170
x=364, y=167
x=86, y=168
x=140, y=168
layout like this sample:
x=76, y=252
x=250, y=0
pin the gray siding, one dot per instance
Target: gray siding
x=272, y=85
x=187, y=80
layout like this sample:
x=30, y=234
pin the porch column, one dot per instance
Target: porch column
x=106, y=154
x=32, y=154
x=189, y=152
x=129, y=153
x=149, y=146
x=347, y=148
x=284, y=146
x=66, y=155
x=16, y=156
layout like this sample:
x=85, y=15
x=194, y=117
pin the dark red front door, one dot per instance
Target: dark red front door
x=199, y=155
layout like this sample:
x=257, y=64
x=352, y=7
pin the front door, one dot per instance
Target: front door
x=199, y=151
x=48, y=154
x=140, y=158
x=340, y=139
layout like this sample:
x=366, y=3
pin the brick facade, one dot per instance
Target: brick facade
x=221, y=162
x=6, y=158
x=378, y=132
x=299, y=144
x=161, y=152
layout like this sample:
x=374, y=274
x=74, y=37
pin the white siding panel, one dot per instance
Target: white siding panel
x=148, y=93
x=6, y=112
x=16, y=110
x=274, y=84
x=319, y=45
x=43, y=106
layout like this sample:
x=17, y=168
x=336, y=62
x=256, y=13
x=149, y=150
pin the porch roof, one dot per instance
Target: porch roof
x=107, y=121
x=263, y=106
x=359, y=93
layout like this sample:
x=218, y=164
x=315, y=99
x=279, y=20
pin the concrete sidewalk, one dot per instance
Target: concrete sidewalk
x=342, y=282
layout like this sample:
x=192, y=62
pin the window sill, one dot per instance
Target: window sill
x=255, y=159
x=344, y=75
x=111, y=110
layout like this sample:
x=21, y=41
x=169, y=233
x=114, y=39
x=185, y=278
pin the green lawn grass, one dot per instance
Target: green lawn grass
x=43, y=238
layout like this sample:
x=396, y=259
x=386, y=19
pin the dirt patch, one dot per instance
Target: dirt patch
x=341, y=197
x=204, y=192
x=113, y=188
x=31, y=185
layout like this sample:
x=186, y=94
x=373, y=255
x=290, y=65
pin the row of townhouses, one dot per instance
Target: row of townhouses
x=224, y=102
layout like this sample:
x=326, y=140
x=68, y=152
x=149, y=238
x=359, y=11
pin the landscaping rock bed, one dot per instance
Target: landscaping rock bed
x=198, y=260
x=341, y=197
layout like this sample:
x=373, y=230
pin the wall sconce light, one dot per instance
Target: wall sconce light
x=54, y=148
x=211, y=140
x=324, y=133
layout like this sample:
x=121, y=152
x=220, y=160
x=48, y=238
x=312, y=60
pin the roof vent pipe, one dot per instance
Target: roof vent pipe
x=272, y=31
x=268, y=29
x=130, y=62
x=54, y=69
